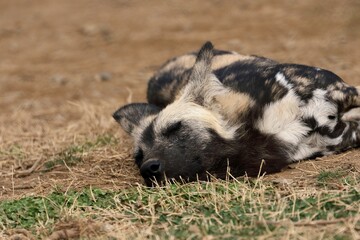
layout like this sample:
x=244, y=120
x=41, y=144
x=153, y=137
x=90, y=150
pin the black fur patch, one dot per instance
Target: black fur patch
x=216, y=52
x=318, y=79
x=251, y=77
x=148, y=135
x=338, y=130
x=347, y=139
x=163, y=88
x=311, y=122
x=316, y=155
x=139, y=157
x=173, y=128
x=324, y=130
x=244, y=156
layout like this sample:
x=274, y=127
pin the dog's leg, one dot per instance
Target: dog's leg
x=352, y=115
x=349, y=139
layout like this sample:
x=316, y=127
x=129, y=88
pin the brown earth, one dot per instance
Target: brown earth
x=65, y=66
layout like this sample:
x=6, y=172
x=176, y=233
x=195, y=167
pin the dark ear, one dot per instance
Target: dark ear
x=202, y=66
x=203, y=85
x=130, y=116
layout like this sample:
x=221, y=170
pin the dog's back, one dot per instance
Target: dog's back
x=297, y=103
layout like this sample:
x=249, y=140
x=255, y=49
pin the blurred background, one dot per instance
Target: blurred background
x=93, y=49
x=66, y=65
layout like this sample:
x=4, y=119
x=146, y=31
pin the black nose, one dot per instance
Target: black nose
x=151, y=168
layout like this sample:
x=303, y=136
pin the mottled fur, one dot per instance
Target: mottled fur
x=217, y=110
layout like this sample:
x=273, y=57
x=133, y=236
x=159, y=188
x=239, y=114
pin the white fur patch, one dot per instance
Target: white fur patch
x=198, y=117
x=283, y=119
x=280, y=78
x=320, y=108
x=353, y=136
x=316, y=143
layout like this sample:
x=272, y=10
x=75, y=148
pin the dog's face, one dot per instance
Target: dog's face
x=186, y=139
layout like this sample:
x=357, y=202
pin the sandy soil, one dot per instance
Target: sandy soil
x=65, y=66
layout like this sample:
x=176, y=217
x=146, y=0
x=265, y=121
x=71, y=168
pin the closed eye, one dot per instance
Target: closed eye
x=173, y=128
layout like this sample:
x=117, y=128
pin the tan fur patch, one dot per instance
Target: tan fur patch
x=301, y=80
x=357, y=98
x=340, y=85
x=185, y=61
x=277, y=91
x=289, y=71
x=352, y=115
x=221, y=61
x=166, y=91
x=233, y=104
x=268, y=82
x=337, y=95
x=302, y=89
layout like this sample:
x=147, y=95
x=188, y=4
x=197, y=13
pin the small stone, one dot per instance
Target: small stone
x=89, y=30
x=59, y=79
x=92, y=30
x=283, y=181
x=103, y=76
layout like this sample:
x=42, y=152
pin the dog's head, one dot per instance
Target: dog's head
x=188, y=138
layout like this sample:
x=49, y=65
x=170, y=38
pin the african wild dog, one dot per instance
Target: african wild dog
x=218, y=111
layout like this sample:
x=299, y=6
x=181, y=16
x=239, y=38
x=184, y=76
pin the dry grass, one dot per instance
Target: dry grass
x=91, y=190
x=243, y=207
x=58, y=141
x=72, y=155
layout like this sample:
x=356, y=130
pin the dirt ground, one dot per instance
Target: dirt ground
x=65, y=66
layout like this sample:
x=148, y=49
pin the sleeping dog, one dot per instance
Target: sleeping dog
x=218, y=112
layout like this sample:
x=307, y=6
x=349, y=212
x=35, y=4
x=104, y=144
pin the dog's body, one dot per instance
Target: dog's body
x=219, y=111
